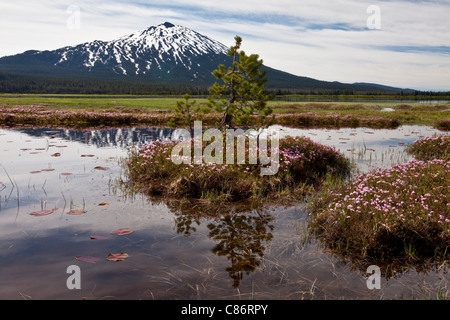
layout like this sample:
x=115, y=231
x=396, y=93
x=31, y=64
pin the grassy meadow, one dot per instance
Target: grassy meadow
x=159, y=110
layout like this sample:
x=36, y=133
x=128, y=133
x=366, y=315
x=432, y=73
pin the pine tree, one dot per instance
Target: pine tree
x=242, y=92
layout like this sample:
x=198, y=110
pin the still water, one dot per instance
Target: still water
x=172, y=253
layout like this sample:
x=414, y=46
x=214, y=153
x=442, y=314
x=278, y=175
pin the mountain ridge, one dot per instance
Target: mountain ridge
x=162, y=54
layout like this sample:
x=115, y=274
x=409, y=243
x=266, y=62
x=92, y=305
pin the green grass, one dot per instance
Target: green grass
x=90, y=102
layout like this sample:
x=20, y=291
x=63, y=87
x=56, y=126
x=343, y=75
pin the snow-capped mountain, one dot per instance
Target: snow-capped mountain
x=165, y=54
x=160, y=48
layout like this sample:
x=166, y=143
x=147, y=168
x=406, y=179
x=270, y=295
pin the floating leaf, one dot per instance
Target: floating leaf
x=65, y=173
x=123, y=231
x=87, y=259
x=100, y=237
x=117, y=256
x=34, y=172
x=57, y=154
x=76, y=211
x=102, y=204
x=48, y=170
x=87, y=155
x=101, y=168
x=43, y=212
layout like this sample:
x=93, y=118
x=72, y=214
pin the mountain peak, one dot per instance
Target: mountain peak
x=164, y=48
x=167, y=25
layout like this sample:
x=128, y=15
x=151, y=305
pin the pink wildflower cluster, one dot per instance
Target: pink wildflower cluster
x=40, y=115
x=412, y=192
x=437, y=146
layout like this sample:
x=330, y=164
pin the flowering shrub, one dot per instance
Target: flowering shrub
x=333, y=120
x=433, y=147
x=444, y=125
x=39, y=115
x=301, y=162
x=386, y=211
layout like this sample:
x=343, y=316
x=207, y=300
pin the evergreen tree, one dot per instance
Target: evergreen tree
x=242, y=92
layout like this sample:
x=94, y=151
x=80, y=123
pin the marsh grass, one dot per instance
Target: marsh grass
x=84, y=117
x=402, y=212
x=434, y=147
x=303, y=164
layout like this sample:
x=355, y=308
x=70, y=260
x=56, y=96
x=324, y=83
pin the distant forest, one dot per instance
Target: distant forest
x=55, y=85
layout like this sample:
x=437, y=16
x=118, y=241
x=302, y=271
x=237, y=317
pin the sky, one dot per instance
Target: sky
x=398, y=43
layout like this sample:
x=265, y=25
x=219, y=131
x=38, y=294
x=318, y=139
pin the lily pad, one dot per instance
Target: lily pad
x=101, y=168
x=117, y=256
x=123, y=231
x=76, y=212
x=42, y=212
x=87, y=259
x=101, y=237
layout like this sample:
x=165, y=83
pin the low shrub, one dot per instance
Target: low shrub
x=303, y=164
x=400, y=211
x=433, y=147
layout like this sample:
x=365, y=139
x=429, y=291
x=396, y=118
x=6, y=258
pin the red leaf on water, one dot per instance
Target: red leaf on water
x=65, y=174
x=42, y=212
x=87, y=259
x=101, y=168
x=88, y=155
x=101, y=237
x=122, y=232
x=102, y=204
x=33, y=172
x=117, y=256
x=48, y=170
x=56, y=154
x=75, y=211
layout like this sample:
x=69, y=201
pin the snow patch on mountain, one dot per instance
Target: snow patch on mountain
x=143, y=51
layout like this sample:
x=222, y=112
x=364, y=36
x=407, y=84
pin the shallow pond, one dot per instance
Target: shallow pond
x=259, y=254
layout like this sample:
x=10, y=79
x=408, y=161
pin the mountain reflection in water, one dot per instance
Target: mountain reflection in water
x=101, y=138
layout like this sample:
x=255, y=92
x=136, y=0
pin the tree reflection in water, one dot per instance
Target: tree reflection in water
x=242, y=239
x=241, y=234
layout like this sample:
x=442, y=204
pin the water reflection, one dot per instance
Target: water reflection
x=242, y=239
x=116, y=137
x=241, y=232
x=254, y=247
